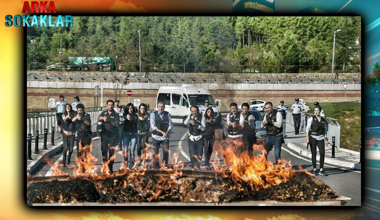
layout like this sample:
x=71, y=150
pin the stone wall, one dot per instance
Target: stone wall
x=37, y=98
x=196, y=75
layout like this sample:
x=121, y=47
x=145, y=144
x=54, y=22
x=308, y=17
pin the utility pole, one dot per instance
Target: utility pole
x=139, y=49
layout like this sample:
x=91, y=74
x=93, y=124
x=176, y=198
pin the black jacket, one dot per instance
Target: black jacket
x=143, y=126
x=130, y=126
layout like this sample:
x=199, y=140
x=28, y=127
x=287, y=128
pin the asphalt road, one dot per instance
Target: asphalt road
x=345, y=182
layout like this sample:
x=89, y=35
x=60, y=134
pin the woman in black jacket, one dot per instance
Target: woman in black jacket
x=143, y=126
x=68, y=134
x=209, y=135
x=129, y=133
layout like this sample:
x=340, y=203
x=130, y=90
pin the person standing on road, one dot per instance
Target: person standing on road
x=161, y=124
x=148, y=110
x=129, y=134
x=84, y=132
x=120, y=111
x=204, y=108
x=109, y=136
x=273, y=124
x=60, y=107
x=282, y=109
x=296, y=111
x=235, y=125
x=196, y=123
x=76, y=102
x=68, y=136
x=209, y=135
x=143, y=126
x=117, y=106
x=249, y=128
x=318, y=129
x=322, y=112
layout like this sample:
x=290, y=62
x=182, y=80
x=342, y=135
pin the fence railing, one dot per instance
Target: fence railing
x=332, y=130
x=48, y=120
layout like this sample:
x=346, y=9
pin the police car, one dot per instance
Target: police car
x=257, y=105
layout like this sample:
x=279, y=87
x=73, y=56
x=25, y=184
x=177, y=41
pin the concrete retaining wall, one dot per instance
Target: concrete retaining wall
x=37, y=97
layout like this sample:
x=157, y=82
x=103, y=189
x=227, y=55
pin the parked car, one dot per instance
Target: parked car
x=255, y=105
x=261, y=132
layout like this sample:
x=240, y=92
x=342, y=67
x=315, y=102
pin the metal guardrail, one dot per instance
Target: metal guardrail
x=332, y=130
x=48, y=119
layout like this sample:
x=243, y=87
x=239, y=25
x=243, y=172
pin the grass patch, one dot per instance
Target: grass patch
x=349, y=118
x=31, y=115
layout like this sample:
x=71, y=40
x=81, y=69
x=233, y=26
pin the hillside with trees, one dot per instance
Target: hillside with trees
x=203, y=44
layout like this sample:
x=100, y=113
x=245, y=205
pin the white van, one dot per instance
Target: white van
x=178, y=100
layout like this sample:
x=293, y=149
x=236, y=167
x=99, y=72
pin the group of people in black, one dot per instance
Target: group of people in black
x=126, y=128
x=75, y=123
x=131, y=131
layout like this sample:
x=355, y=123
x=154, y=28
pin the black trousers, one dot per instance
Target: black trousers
x=141, y=140
x=59, y=119
x=321, y=146
x=196, y=151
x=108, y=145
x=249, y=139
x=208, y=144
x=120, y=140
x=297, y=122
x=165, y=149
x=84, y=139
x=68, y=143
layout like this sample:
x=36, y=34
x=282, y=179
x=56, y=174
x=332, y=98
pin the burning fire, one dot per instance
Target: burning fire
x=254, y=170
x=249, y=170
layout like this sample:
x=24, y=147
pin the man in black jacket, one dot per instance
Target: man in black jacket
x=83, y=121
x=249, y=132
x=110, y=134
x=235, y=125
x=273, y=124
x=161, y=124
x=196, y=123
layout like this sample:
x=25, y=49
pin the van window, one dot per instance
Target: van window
x=200, y=99
x=164, y=97
x=176, y=99
x=184, y=101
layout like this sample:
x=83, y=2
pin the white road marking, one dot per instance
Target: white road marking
x=50, y=171
x=180, y=146
x=309, y=160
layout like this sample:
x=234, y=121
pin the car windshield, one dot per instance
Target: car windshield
x=200, y=99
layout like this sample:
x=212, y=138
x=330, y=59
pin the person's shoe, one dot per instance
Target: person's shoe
x=313, y=172
x=322, y=173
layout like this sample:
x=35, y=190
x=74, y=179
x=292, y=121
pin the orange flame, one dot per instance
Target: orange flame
x=254, y=170
x=57, y=171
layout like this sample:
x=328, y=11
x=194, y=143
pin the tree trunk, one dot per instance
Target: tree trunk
x=249, y=38
x=242, y=34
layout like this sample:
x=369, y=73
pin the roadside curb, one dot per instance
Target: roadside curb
x=307, y=153
x=39, y=159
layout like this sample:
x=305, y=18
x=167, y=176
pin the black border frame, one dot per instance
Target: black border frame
x=24, y=106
